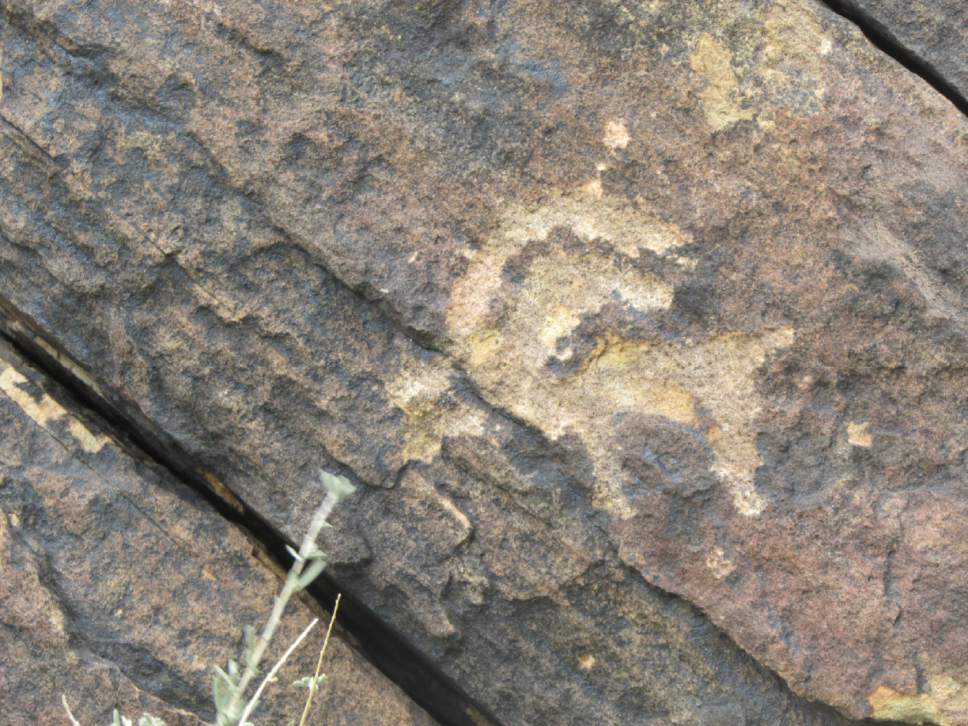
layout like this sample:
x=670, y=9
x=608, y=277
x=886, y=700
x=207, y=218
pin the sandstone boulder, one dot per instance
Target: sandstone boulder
x=612, y=309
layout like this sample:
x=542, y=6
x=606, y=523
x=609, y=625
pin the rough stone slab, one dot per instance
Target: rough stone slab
x=597, y=298
x=118, y=587
x=935, y=31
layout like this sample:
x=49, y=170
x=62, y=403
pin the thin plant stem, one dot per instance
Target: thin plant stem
x=67, y=708
x=319, y=663
x=289, y=588
x=254, y=701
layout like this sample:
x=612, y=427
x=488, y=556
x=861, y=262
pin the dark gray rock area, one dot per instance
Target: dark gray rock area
x=933, y=34
x=120, y=588
x=641, y=327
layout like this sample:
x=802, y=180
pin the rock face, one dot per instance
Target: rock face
x=120, y=588
x=935, y=33
x=612, y=309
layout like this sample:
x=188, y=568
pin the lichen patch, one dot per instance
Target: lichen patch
x=944, y=702
x=616, y=135
x=858, y=435
x=720, y=97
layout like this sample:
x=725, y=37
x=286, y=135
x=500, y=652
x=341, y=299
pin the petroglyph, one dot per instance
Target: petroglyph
x=719, y=564
x=507, y=331
x=616, y=135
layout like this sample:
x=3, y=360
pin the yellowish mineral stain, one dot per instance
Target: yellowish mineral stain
x=945, y=702
x=791, y=62
x=718, y=564
x=858, y=435
x=222, y=491
x=46, y=410
x=68, y=363
x=417, y=390
x=506, y=334
x=616, y=135
x=720, y=98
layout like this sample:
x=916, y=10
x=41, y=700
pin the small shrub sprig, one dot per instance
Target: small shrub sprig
x=230, y=685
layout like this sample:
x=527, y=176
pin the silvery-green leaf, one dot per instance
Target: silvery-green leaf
x=248, y=633
x=310, y=573
x=304, y=682
x=222, y=688
x=292, y=553
x=309, y=682
x=338, y=486
x=315, y=553
x=147, y=720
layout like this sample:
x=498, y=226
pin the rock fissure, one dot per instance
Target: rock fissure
x=643, y=242
x=386, y=649
x=885, y=39
x=436, y=692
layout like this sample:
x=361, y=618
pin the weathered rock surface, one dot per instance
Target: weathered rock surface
x=120, y=588
x=933, y=31
x=599, y=300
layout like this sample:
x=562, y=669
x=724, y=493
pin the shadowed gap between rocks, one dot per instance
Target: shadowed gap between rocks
x=884, y=39
x=386, y=649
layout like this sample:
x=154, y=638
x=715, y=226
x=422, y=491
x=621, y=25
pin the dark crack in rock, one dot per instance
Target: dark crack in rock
x=121, y=588
x=929, y=37
x=600, y=302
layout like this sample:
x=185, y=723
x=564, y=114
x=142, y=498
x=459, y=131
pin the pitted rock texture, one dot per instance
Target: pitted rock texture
x=119, y=588
x=596, y=300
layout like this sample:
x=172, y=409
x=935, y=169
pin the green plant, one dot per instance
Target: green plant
x=230, y=685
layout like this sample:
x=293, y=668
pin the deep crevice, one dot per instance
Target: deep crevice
x=884, y=39
x=385, y=648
